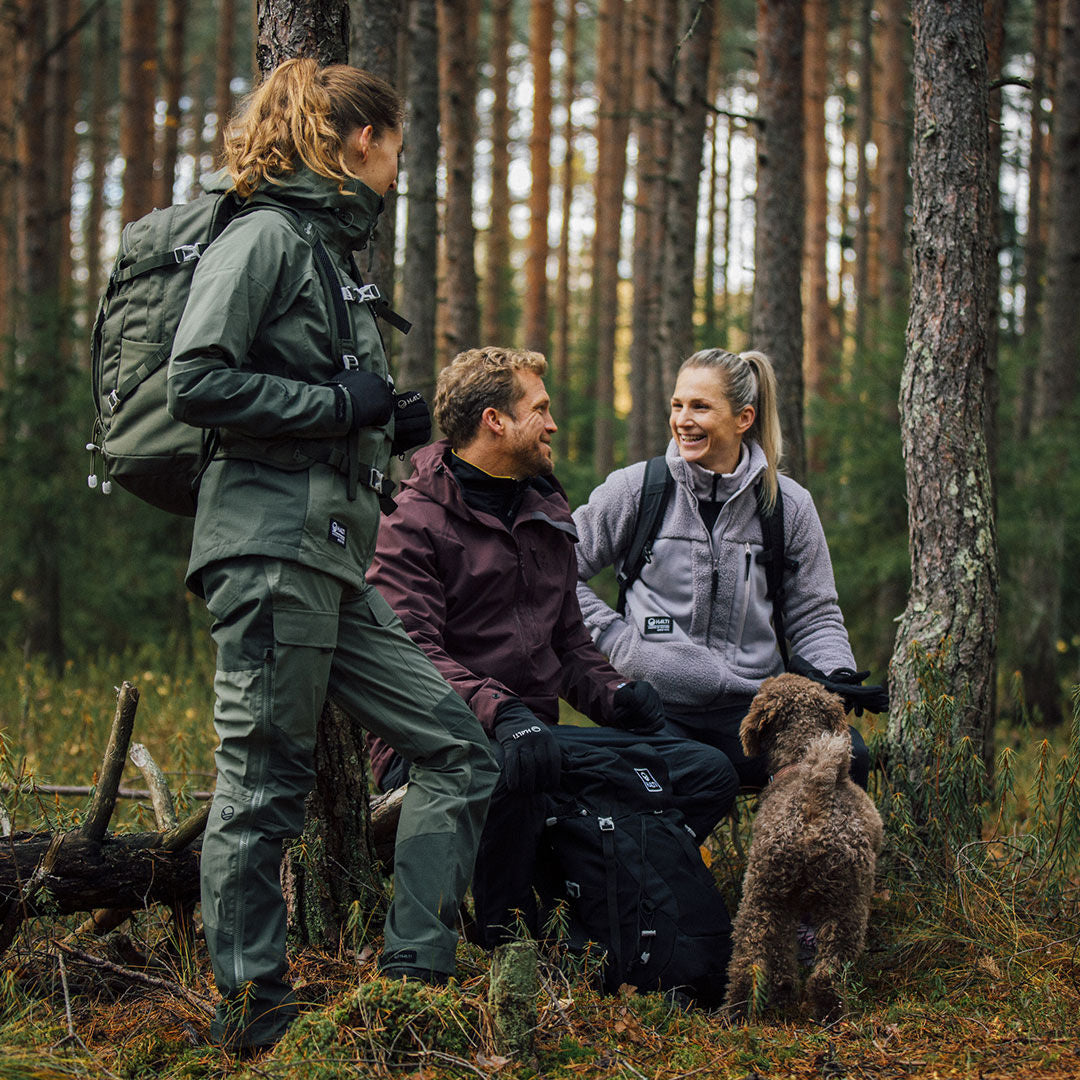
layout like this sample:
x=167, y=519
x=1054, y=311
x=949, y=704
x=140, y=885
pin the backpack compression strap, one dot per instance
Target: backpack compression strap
x=656, y=492
x=774, y=561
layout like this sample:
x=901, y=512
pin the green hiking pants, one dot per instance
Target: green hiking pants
x=287, y=637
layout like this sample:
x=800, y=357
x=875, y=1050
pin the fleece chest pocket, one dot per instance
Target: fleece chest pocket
x=297, y=626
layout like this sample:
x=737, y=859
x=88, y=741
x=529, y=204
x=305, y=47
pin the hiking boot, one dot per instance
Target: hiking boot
x=411, y=973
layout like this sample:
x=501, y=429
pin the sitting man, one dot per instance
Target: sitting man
x=478, y=561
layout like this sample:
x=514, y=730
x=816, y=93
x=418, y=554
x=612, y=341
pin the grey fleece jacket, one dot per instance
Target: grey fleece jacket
x=698, y=625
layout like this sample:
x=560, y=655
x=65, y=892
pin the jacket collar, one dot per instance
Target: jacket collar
x=745, y=475
x=345, y=219
x=433, y=477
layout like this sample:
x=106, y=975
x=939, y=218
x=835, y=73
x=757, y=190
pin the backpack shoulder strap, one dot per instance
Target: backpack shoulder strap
x=774, y=560
x=656, y=492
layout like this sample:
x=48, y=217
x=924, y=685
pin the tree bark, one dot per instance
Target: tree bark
x=174, y=72
x=139, y=71
x=561, y=345
x=223, y=70
x=98, y=123
x=1043, y=570
x=498, y=272
x=129, y=871
x=612, y=129
x=954, y=586
x=865, y=300
x=776, y=321
x=290, y=28
x=677, y=290
x=417, y=363
x=535, y=315
x=331, y=879
x=652, y=22
x=457, y=77
x=817, y=367
x=375, y=36
x=892, y=135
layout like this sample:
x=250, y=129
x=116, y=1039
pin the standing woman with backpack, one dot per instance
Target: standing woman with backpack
x=698, y=620
x=287, y=514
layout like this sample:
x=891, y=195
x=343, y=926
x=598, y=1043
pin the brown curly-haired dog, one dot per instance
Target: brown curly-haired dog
x=814, y=847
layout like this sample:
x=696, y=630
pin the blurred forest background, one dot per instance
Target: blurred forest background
x=584, y=177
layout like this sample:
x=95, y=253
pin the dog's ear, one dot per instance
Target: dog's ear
x=833, y=707
x=762, y=712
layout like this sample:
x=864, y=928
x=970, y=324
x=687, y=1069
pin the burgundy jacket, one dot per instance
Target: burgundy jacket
x=494, y=608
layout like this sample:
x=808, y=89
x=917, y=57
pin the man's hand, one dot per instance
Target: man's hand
x=412, y=421
x=372, y=402
x=531, y=758
x=636, y=706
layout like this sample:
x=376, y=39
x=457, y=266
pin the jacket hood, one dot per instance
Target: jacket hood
x=345, y=219
x=432, y=478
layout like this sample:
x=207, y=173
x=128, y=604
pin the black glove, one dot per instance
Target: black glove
x=412, y=421
x=372, y=401
x=531, y=757
x=636, y=706
x=845, y=682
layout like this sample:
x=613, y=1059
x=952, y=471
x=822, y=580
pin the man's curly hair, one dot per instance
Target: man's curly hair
x=478, y=379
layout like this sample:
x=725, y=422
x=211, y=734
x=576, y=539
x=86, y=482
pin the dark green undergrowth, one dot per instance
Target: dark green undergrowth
x=970, y=969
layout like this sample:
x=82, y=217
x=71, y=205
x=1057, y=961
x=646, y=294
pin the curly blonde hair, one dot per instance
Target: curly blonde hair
x=478, y=379
x=303, y=114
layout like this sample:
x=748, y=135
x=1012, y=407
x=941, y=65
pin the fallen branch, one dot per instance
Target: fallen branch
x=168, y=985
x=112, y=765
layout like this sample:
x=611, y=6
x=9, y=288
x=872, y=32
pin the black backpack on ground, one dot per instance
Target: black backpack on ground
x=632, y=877
x=656, y=490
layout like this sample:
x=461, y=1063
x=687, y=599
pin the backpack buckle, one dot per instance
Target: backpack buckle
x=360, y=294
x=376, y=479
x=350, y=362
x=187, y=253
x=114, y=401
x=606, y=824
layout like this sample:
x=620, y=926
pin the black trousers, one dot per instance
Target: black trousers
x=512, y=862
x=718, y=726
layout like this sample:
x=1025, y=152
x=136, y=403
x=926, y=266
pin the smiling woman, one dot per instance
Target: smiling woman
x=698, y=621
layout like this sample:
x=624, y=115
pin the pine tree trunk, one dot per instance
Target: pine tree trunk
x=817, y=367
x=535, y=315
x=1055, y=385
x=1035, y=240
x=138, y=80
x=954, y=583
x=331, y=878
x=457, y=77
x=561, y=346
x=173, y=69
x=776, y=322
x=98, y=124
x=659, y=378
x=648, y=219
x=8, y=213
x=417, y=363
x=223, y=70
x=864, y=297
x=289, y=28
x=612, y=129
x=498, y=273
x=892, y=136
x=375, y=35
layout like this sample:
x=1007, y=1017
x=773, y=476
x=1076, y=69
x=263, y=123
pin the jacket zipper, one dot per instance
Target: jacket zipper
x=745, y=600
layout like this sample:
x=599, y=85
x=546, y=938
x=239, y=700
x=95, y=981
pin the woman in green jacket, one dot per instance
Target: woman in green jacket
x=288, y=509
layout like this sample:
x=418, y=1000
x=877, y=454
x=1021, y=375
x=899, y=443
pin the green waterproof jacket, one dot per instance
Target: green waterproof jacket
x=251, y=357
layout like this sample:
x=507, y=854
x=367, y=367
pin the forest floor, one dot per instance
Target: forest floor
x=971, y=969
